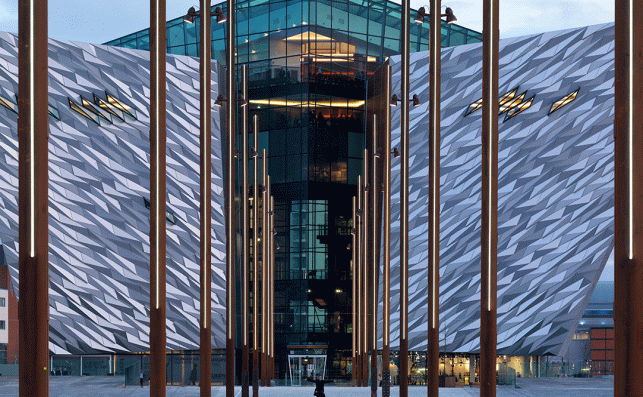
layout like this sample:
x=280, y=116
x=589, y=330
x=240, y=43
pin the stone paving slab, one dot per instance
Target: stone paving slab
x=96, y=386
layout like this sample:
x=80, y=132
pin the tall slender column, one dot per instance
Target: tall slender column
x=157, y=198
x=230, y=195
x=205, y=339
x=628, y=208
x=375, y=189
x=33, y=91
x=433, y=341
x=489, y=234
x=255, y=257
x=365, y=270
x=360, y=284
x=386, y=257
x=264, y=267
x=404, y=204
x=354, y=291
x=271, y=284
x=245, y=233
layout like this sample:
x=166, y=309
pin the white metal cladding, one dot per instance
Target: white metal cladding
x=98, y=183
x=555, y=215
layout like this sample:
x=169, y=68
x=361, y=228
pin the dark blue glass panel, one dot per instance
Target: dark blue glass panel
x=277, y=16
x=260, y=21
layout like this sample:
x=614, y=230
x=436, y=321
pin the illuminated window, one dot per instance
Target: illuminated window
x=512, y=103
x=88, y=115
x=98, y=112
x=519, y=108
x=120, y=105
x=8, y=104
x=502, y=101
x=108, y=108
x=563, y=101
x=169, y=215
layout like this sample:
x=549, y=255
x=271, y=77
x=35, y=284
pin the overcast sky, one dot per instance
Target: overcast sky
x=100, y=21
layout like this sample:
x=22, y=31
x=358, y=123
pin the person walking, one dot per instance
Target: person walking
x=319, y=386
x=141, y=378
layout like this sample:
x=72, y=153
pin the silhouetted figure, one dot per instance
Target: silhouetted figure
x=319, y=386
x=193, y=375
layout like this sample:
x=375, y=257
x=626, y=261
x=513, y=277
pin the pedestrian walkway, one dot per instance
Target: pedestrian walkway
x=70, y=386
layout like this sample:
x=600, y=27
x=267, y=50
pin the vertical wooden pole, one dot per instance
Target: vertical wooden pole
x=365, y=272
x=628, y=208
x=404, y=203
x=205, y=68
x=271, y=287
x=245, y=233
x=489, y=234
x=33, y=255
x=255, y=257
x=231, y=120
x=157, y=198
x=360, y=284
x=375, y=190
x=264, y=268
x=386, y=257
x=354, y=291
x=433, y=341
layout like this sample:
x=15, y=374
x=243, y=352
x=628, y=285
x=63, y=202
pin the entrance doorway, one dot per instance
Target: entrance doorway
x=303, y=366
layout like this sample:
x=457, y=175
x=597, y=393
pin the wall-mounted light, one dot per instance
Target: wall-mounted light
x=396, y=153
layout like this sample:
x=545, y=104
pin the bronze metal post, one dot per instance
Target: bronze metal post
x=264, y=267
x=245, y=234
x=404, y=204
x=205, y=68
x=374, y=268
x=230, y=195
x=433, y=341
x=628, y=208
x=386, y=258
x=365, y=270
x=354, y=292
x=158, y=135
x=489, y=234
x=271, y=261
x=255, y=256
x=360, y=284
x=33, y=92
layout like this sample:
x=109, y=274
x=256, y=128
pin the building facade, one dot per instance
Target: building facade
x=309, y=85
x=308, y=63
x=556, y=172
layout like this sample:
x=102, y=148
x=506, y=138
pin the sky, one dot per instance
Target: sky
x=100, y=21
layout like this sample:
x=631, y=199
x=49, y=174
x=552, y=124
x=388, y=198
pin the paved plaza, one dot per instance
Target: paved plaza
x=112, y=386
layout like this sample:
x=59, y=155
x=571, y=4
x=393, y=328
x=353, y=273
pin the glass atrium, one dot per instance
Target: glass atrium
x=308, y=62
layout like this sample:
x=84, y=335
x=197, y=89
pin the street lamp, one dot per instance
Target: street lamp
x=192, y=14
x=448, y=13
x=414, y=99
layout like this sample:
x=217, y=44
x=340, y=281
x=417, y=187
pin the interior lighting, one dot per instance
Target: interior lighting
x=519, y=109
x=563, y=101
x=505, y=107
x=292, y=103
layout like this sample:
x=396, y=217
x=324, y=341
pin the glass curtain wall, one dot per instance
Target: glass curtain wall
x=308, y=62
